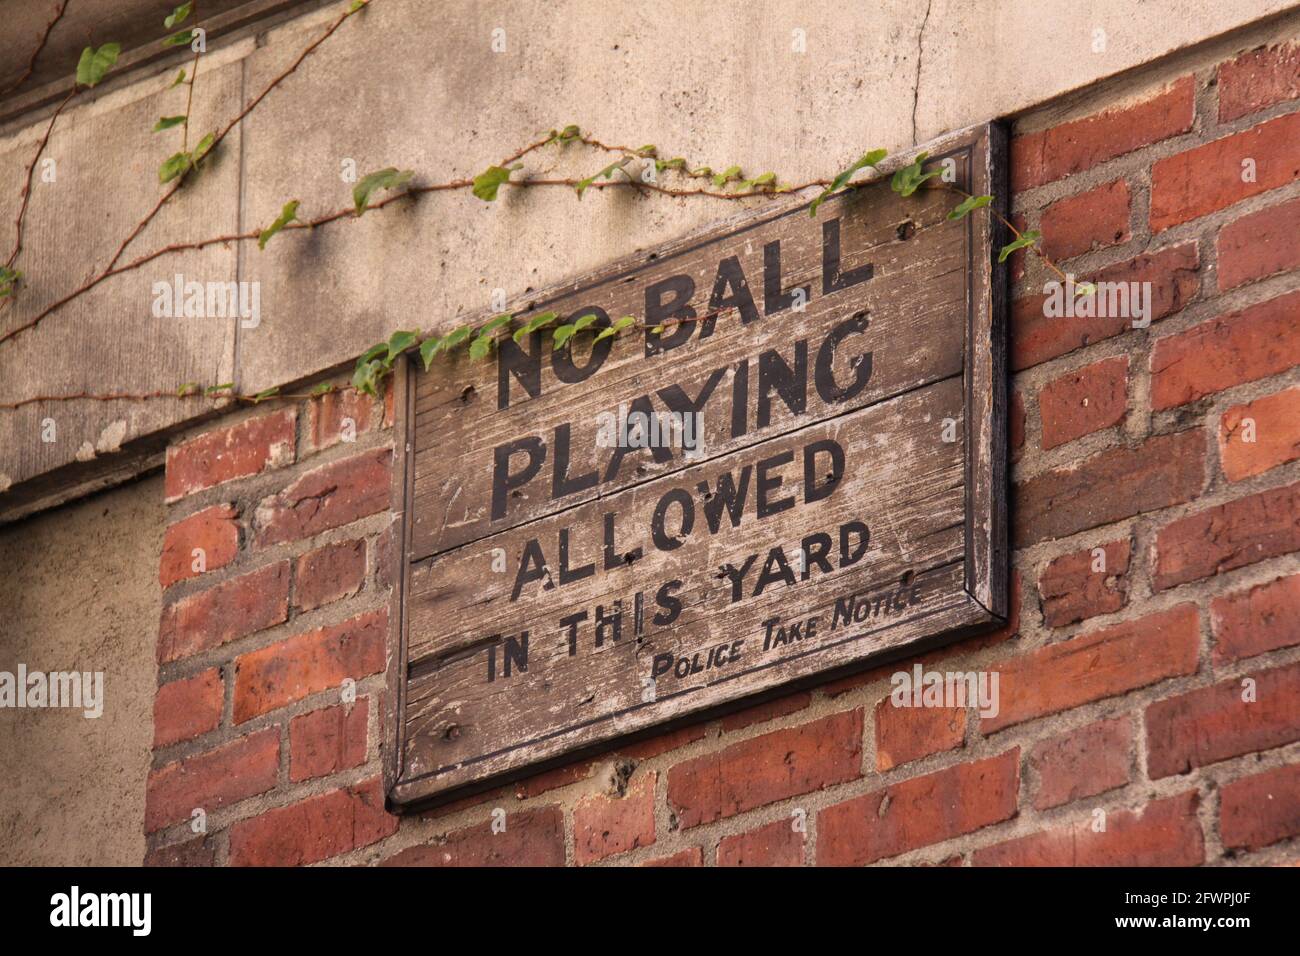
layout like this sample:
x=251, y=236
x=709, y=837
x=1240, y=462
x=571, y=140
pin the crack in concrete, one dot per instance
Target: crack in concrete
x=920, y=52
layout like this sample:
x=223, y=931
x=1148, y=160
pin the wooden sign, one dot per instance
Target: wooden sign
x=802, y=472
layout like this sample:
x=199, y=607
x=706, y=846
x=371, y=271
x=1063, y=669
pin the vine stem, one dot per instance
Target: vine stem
x=31, y=64
x=111, y=268
x=27, y=186
x=189, y=102
x=1014, y=231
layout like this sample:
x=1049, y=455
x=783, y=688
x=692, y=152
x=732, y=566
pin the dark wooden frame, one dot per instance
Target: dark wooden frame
x=983, y=604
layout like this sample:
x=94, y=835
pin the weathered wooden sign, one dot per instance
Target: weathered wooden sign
x=801, y=472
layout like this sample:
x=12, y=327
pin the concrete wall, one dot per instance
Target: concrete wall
x=80, y=592
x=418, y=85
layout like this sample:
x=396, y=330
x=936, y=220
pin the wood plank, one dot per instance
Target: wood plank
x=914, y=303
x=900, y=479
x=881, y=515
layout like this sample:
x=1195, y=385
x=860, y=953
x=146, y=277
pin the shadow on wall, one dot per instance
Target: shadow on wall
x=79, y=593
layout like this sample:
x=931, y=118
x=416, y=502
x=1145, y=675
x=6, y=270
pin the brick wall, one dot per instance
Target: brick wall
x=1171, y=450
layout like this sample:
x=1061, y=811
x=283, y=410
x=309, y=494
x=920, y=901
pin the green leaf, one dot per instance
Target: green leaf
x=1084, y=288
x=356, y=5
x=287, y=215
x=456, y=338
x=8, y=279
x=646, y=152
x=870, y=158
x=374, y=352
x=662, y=164
x=180, y=78
x=562, y=334
x=173, y=166
x=968, y=204
x=584, y=320
x=428, y=349
x=324, y=388
x=616, y=328
x=201, y=150
x=481, y=345
x=364, y=377
x=184, y=38
x=1026, y=239
x=167, y=122
x=492, y=324
x=399, y=343
x=389, y=178
x=533, y=324
x=179, y=15
x=489, y=181
x=728, y=174
x=214, y=389
x=908, y=179
x=95, y=63
x=606, y=173
x=767, y=179
x=189, y=388
x=265, y=394
x=700, y=172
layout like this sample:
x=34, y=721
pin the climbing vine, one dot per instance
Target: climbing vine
x=639, y=168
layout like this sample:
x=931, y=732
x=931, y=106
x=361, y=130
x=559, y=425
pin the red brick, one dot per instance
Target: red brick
x=186, y=708
x=904, y=734
x=776, y=844
x=1174, y=274
x=194, y=852
x=211, y=780
x=553, y=779
x=231, y=610
x=1208, y=178
x=1016, y=425
x=1244, y=346
x=1083, y=762
x=1163, y=833
x=1213, y=723
x=237, y=451
x=327, y=741
x=1273, y=433
x=309, y=663
x=1230, y=536
x=1258, y=79
x=314, y=829
x=1072, y=591
x=214, y=531
x=919, y=812
x=763, y=770
x=1262, y=809
x=328, y=574
x=693, y=856
x=328, y=417
x=1092, y=220
x=604, y=825
x=1260, y=244
x=1051, y=154
x=530, y=838
x=662, y=743
x=1163, y=471
x=1263, y=618
x=326, y=497
x=1084, y=401
x=1104, y=663
x=770, y=710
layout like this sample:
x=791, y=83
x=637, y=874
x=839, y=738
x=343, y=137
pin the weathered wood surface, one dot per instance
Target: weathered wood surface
x=597, y=531
x=900, y=479
x=915, y=305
